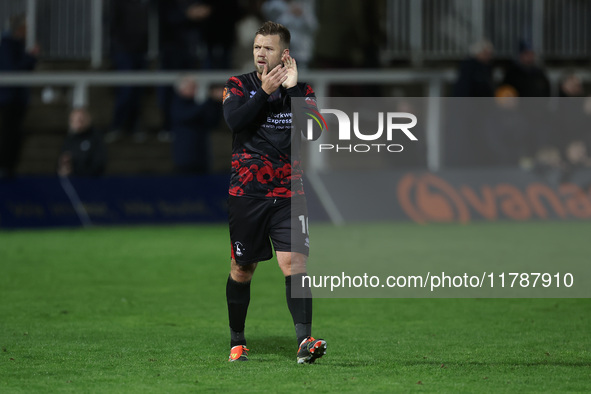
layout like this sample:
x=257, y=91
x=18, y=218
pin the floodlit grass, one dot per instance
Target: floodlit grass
x=143, y=310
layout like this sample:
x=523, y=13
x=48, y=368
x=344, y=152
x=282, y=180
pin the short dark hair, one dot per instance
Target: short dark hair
x=272, y=28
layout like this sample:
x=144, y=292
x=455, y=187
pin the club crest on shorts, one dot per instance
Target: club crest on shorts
x=238, y=249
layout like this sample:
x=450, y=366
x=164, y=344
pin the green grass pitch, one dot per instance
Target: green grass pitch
x=142, y=309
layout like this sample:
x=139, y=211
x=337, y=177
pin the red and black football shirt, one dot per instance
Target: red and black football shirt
x=265, y=152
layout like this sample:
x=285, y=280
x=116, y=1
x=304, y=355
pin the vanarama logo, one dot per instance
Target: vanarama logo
x=388, y=123
x=427, y=197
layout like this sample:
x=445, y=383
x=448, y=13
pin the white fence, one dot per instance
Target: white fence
x=445, y=29
x=432, y=80
x=416, y=29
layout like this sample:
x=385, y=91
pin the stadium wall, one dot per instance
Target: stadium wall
x=460, y=196
x=52, y=201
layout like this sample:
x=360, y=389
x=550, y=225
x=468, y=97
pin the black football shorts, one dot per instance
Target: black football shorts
x=256, y=223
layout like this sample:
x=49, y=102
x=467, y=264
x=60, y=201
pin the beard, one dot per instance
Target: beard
x=270, y=65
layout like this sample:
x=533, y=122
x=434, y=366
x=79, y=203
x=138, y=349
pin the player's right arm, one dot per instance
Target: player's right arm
x=239, y=109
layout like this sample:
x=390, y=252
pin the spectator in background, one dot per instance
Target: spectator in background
x=572, y=125
x=525, y=76
x=180, y=27
x=571, y=85
x=129, y=37
x=14, y=101
x=549, y=165
x=568, y=118
x=577, y=158
x=181, y=24
x=567, y=152
x=300, y=18
x=250, y=21
x=475, y=77
x=506, y=131
x=530, y=80
x=192, y=124
x=350, y=33
x=220, y=33
x=83, y=152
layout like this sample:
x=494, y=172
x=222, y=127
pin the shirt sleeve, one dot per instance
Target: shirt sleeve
x=307, y=109
x=240, y=110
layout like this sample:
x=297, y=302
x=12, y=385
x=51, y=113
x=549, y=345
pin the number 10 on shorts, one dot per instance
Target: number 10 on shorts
x=304, y=221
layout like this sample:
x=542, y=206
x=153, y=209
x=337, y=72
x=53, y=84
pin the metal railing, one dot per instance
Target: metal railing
x=433, y=82
x=64, y=29
x=416, y=29
x=445, y=29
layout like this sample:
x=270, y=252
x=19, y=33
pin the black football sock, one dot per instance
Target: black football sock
x=238, y=298
x=237, y=338
x=300, y=305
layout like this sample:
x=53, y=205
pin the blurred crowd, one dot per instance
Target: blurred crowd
x=523, y=123
x=207, y=34
x=192, y=35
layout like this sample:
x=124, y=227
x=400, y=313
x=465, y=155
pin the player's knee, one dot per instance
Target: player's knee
x=242, y=273
x=292, y=263
x=240, y=276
